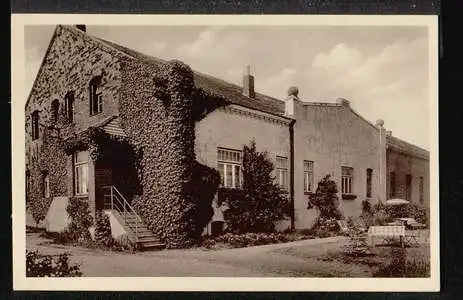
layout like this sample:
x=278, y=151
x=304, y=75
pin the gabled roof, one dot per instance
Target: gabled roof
x=404, y=147
x=231, y=92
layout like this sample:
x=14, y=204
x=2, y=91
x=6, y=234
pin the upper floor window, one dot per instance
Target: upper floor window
x=28, y=184
x=69, y=106
x=308, y=176
x=282, y=172
x=408, y=186
x=392, y=187
x=96, y=101
x=347, y=178
x=35, y=125
x=369, y=182
x=421, y=189
x=54, y=111
x=229, y=164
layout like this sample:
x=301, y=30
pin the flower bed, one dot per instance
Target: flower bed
x=230, y=240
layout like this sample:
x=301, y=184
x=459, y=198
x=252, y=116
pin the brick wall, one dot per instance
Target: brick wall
x=70, y=64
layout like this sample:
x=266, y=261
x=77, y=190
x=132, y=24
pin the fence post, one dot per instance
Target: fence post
x=112, y=202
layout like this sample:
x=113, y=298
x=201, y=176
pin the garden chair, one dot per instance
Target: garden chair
x=412, y=238
x=343, y=226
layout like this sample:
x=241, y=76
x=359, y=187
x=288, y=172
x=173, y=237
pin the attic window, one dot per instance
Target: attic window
x=69, y=106
x=35, y=125
x=54, y=111
x=96, y=101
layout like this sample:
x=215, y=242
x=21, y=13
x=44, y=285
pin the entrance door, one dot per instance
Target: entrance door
x=103, y=177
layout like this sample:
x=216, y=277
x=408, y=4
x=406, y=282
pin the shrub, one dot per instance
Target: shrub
x=399, y=267
x=40, y=265
x=81, y=220
x=103, y=234
x=325, y=198
x=366, y=207
x=325, y=227
x=205, y=184
x=123, y=243
x=261, y=203
x=249, y=239
x=418, y=213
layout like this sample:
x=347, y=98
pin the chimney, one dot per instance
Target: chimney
x=343, y=102
x=291, y=100
x=248, y=83
x=81, y=27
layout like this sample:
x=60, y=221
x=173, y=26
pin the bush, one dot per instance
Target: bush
x=103, y=234
x=325, y=227
x=205, y=184
x=261, y=203
x=123, y=243
x=325, y=198
x=81, y=220
x=40, y=265
x=231, y=240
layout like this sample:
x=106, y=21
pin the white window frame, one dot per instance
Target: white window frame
x=96, y=99
x=230, y=159
x=308, y=176
x=347, y=180
x=282, y=172
x=84, y=166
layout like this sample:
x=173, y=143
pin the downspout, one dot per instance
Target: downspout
x=291, y=174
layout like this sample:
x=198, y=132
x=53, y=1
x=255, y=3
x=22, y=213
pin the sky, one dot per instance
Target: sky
x=382, y=70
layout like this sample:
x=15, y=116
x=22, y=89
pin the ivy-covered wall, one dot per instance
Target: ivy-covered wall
x=158, y=109
x=70, y=64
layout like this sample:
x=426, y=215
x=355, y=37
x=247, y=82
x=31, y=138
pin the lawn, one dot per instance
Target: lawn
x=304, y=258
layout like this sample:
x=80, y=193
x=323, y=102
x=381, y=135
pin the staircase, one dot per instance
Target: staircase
x=136, y=228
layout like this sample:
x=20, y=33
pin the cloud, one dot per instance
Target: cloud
x=278, y=84
x=213, y=44
x=391, y=84
x=159, y=46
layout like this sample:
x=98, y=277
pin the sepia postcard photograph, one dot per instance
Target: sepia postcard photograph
x=252, y=153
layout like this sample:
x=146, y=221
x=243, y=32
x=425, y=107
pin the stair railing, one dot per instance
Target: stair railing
x=122, y=206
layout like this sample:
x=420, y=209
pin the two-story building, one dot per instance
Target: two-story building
x=85, y=82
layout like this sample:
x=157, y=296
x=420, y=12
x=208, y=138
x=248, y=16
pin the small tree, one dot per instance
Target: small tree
x=261, y=202
x=325, y=198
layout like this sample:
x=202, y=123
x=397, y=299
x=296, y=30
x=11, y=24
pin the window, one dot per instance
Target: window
x=421, y=189
x=369, y=182
x=282, y=172
x=35, y=125
x=46, y=185
x=408, y=186
x=28, y=183
x=96, y=101
x=308, y=176
x=54, y=111
x=81, y=172
x=229, y=165
x=69, y=106
x=347, y=179
x=392, y=191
